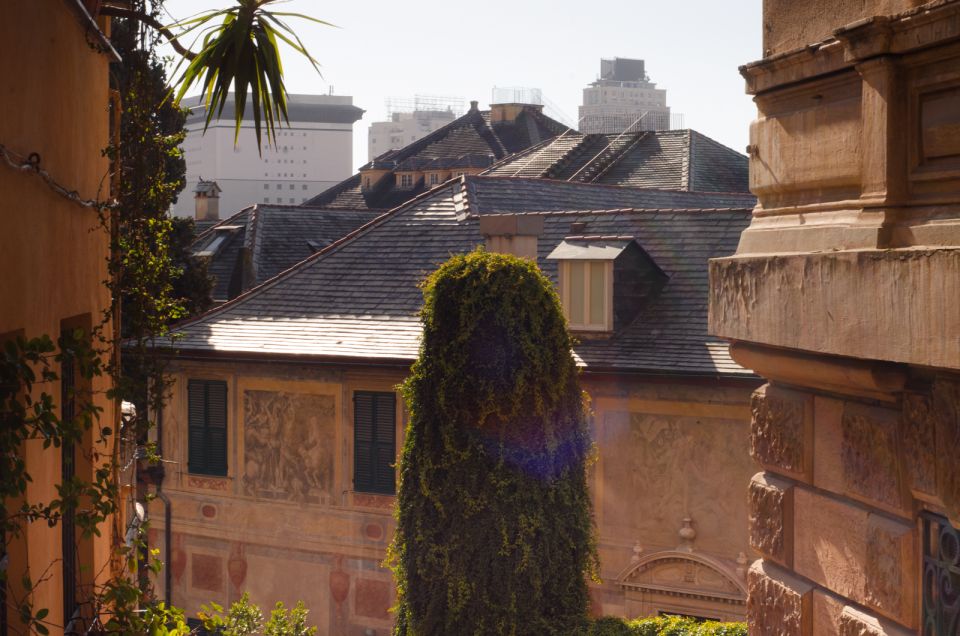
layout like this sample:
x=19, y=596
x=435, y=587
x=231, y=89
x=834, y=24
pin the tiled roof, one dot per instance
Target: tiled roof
x=512, y=194
x=470, y=141
x=674, y=160
x=359, y=298
x=276, y=237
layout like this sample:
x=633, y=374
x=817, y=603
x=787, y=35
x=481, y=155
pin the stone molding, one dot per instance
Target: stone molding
x=897, y=306
x=879, y=35
x=698, y=576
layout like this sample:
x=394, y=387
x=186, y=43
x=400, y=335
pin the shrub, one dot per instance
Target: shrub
x=664, y=626
x=494, y=532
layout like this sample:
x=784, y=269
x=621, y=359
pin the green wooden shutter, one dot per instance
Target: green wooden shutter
x=374, y=447
x=217, y=428
x=207, y=426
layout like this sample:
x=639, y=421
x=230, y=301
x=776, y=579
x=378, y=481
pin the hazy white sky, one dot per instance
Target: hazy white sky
x=386, y=49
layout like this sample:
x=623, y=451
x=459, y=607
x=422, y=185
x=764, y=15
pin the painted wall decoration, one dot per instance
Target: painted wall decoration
x=660, y=469
x=288, y=446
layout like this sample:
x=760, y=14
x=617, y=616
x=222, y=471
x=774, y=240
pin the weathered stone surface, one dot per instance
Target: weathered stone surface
x=798, y=301
x=790, y=25
x=870, y=455
x=826, y=613
x=781, y=431
x=778, y=604
x=863, y=556
x=771, y=518
x=828, y=468
x=856, y=623
x=946, y=404
x=917, y=438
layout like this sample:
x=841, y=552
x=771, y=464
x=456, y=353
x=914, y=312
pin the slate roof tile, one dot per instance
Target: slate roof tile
x=359, y=299
x=469, y=141
x=674, y=160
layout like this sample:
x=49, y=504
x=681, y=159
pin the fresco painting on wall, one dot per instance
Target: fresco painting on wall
x=676, y=462
x=288, y=446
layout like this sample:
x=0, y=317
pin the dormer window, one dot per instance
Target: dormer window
x=605, y=281
x=434, y=178
x=406, y=180
x=586, y=292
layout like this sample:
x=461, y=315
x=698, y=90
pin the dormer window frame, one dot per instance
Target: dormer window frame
x=567, y=285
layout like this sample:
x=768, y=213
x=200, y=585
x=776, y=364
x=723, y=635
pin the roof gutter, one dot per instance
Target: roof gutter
x=288, y=358
x=103, y=43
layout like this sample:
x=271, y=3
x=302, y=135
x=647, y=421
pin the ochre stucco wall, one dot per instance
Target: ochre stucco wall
x=53, y=101
x=291, y=528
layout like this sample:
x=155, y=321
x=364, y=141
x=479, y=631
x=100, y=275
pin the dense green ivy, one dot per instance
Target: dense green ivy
x=495, y=534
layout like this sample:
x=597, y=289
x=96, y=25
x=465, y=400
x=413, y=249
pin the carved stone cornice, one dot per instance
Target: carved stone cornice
x=935, y=23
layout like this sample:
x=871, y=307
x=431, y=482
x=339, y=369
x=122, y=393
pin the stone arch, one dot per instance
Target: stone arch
x=686, y=583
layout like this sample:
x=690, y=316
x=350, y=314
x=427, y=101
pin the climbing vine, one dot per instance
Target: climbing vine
x=495, y=534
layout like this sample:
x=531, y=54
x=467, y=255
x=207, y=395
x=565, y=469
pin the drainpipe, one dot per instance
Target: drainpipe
x=167, y=540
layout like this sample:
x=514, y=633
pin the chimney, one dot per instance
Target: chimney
x=206, y=198
x=474, y=106
x=509, y=112
x=512, y=233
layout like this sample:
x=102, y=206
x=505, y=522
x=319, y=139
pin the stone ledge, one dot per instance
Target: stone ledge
x=896, y=305
x=856, y=623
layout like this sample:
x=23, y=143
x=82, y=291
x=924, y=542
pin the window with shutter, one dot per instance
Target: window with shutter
x=207, y=436
x=374, y=442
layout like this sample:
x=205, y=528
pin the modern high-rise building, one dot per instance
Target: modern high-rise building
x=313, y=153
x=409, y=120
x=623, y=98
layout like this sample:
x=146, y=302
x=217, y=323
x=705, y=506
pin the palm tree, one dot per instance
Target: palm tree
x=239, y=49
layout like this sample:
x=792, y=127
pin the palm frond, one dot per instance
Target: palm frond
x=242, y=52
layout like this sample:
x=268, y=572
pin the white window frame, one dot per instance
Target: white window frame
x=607, y=324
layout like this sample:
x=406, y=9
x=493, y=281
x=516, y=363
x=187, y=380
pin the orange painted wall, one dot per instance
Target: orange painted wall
x=54, y=98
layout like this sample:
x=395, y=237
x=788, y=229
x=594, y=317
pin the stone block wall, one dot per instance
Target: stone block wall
x=833, y=514
x=845, y=295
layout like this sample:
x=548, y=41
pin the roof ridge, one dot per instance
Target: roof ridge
x=613, y=186
x=270, y=282
x=713, y=141
x=419, y=144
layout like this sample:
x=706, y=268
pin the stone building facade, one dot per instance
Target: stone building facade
x=269, y=482
x=843, y=293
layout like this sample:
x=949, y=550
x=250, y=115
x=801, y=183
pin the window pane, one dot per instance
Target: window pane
x=577, y=280
x=598, y=293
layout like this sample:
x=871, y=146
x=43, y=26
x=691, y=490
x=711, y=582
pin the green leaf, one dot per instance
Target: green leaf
x=242, y=53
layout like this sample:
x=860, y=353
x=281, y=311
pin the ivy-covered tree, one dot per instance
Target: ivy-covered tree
x=495, y=534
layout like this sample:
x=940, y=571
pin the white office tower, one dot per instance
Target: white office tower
x=312, y=154
x=409, y=120
x=623, y=98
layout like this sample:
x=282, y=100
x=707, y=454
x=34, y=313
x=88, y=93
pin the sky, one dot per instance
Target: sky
x=386, y=49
